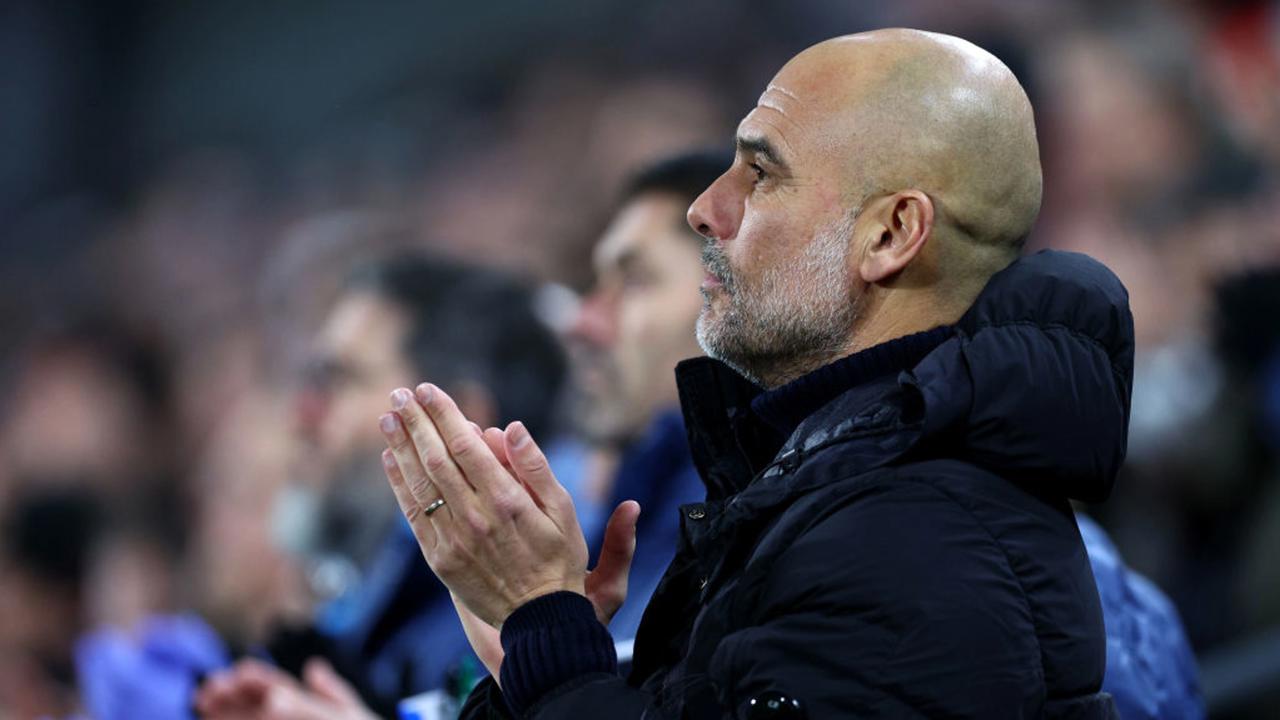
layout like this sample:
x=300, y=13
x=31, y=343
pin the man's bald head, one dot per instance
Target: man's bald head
x=912, y=109
x=880, y=181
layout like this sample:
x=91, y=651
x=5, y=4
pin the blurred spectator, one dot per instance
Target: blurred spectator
x=390, y=627
x=631, y=330
x=240, y=581
x=90, y=404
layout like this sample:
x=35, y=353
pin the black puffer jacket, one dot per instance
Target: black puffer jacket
x=909, y=550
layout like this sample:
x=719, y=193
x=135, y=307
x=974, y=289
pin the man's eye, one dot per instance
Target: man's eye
x=759, y=171
x=633, y=280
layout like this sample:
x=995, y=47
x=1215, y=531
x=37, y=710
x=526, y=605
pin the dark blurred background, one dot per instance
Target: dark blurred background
x=177, y=180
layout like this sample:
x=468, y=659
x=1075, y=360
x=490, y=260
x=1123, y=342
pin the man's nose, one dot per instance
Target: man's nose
x=310, y=408
x=717, y=212
x=594, y=323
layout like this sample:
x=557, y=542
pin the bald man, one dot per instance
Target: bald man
x=894, y=414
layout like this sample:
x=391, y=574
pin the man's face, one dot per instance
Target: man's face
x=638, y=321
x=780, y=220
x=359, y=357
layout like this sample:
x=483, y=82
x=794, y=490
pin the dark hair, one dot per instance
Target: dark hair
x=50, y=532
x=473, y=324
x=685, y=175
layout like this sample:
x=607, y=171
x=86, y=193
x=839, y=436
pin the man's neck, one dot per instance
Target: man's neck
x=894, y=313
x=880, y=326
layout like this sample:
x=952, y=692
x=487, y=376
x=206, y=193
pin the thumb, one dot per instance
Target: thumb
x=619, y=544
x=607, y=583
x=325, y=682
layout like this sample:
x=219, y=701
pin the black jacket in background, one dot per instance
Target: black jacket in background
x=909, y=551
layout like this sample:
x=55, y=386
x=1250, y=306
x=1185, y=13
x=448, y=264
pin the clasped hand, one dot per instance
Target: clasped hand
x=507, y=532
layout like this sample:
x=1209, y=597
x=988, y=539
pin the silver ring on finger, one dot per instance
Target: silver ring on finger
x=434, y=506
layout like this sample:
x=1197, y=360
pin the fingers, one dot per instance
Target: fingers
x=530, y=466
x=295, y=703
x=423, y=530
x=220, y=695
x=327, y=684
x=433, y=455
x=258, y=674
x=493, y=438
x=242, y=689
x=466, y=448
x=253, y=689
x=619, y=545
x=409, y=459
x=607, y=584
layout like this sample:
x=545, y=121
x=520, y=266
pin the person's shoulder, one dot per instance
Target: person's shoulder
x=904, y=498
x=888, y=540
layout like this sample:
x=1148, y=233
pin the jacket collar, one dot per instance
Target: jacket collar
x=737, y=430
x=786, y=407
x=1035, y=383
x=730, y=444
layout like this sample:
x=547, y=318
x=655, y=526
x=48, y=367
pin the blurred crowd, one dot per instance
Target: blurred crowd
x=170, y=282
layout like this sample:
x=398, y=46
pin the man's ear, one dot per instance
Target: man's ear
x=901, y=224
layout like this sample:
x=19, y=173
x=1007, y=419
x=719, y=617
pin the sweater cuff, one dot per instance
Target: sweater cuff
x=548, y=642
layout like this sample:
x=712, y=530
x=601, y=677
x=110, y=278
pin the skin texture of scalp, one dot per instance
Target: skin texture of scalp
x=913, y=109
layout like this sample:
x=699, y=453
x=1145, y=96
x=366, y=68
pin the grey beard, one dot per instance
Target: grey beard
x=795, y=319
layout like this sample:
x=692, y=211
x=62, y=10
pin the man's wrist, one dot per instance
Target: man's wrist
x=550, y=641
x=579, y=589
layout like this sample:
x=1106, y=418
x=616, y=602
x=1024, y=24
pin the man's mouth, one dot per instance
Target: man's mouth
x=715, y=268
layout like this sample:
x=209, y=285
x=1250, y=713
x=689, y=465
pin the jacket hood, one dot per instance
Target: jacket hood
x=1036, y=382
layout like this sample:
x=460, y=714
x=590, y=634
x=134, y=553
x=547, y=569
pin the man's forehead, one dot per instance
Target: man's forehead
x=359, y=315
x=781, y=117
x=778, y=97
x=642, y=218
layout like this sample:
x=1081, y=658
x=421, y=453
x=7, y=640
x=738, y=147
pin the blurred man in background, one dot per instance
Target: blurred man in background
x=407, y=317
x=391, y=630
x=89, y=520
x=633, y=327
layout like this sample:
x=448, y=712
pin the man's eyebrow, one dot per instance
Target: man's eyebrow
x=627, y=259
x=624, y=261
x=762, y=147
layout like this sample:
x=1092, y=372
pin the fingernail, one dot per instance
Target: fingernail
x=519, y=435
x=426, y=391
x=388, y=460
x=399, y=398
x=387, y=423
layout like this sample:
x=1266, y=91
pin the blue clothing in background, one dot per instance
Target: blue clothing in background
x=1151, y=671
x=397, y=628
x=656, y=471
x=148, y=674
